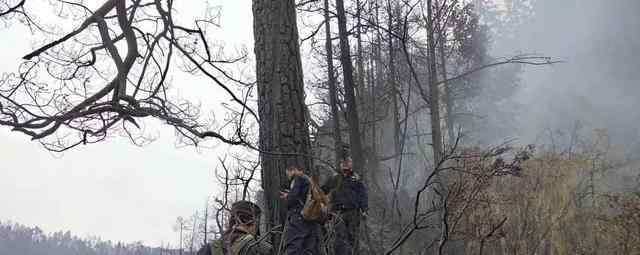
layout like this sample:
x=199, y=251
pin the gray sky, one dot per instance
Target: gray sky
x=598, y=84
x=134, y=195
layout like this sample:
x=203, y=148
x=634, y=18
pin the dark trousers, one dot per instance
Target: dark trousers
x=301, y=236
x=347, y=227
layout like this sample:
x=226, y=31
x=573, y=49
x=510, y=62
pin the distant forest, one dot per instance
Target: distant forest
x=23, y=240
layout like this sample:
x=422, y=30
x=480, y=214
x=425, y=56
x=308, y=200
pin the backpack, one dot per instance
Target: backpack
x=316, y=207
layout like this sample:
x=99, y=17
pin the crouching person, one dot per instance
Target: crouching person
x=242, y=235
x=301, y=236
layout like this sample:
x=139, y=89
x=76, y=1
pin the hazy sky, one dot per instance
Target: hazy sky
x=113, y=189
x=598, y=84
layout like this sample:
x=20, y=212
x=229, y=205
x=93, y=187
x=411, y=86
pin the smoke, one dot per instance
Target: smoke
x=598, y=86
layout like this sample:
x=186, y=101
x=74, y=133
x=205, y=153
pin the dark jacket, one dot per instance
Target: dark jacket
x=297, y=194
x=351, y=194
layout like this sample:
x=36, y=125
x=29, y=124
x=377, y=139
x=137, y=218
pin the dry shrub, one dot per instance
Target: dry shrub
x=550, y=209
x=619, y=228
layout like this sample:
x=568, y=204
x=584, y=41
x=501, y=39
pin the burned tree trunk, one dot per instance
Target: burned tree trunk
x=352, y=111
x=333, y=92
x=284, y=133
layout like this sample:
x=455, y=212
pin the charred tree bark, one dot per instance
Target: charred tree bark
x=333, y=93
x=352, y=111
x=284, y=132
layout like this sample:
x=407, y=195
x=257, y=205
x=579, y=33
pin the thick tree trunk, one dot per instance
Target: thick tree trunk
x=333, y=92
x=352, y=111
x=284, y=132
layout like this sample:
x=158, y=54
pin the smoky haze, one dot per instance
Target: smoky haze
x=597, y=86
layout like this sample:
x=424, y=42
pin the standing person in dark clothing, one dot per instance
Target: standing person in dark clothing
x=301, y=236
x=349, y=201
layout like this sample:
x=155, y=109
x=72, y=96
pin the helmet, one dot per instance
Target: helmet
x=245, y=211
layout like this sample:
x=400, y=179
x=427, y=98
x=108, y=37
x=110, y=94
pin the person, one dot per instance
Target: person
x=349, y=202
x=300, y=235
x=242, y=235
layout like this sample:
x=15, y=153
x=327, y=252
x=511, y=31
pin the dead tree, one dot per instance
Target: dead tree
x=205, y=223
x=179, y=227
x=7, y=7
x=349, y=88
x=111, y=71
x=333, y=90
x=443, y=211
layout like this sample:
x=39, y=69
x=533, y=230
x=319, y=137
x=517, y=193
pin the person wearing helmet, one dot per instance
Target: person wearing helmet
x=242, y=235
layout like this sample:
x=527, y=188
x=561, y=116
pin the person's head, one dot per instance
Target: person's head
x=293, y=171
x=347, y=166
x=246, y=216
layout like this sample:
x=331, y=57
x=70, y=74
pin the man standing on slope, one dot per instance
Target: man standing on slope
x=301, y=235
x=349, y=201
